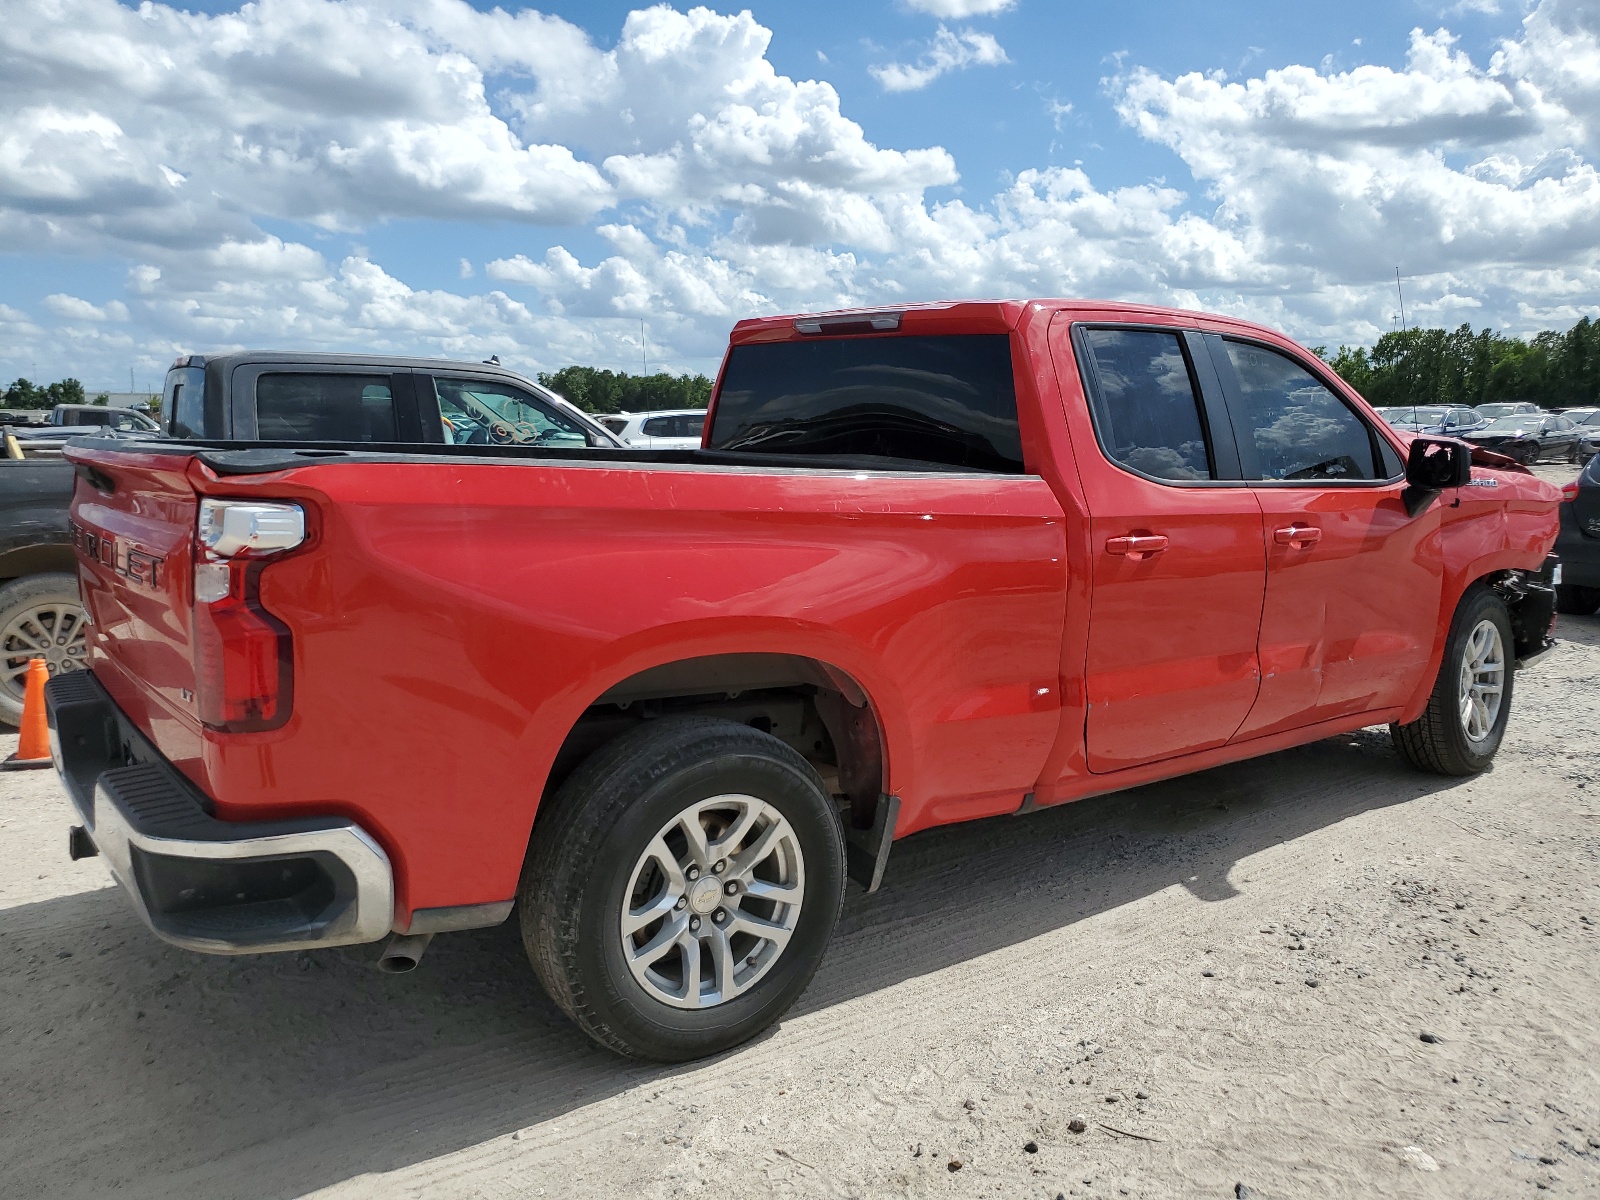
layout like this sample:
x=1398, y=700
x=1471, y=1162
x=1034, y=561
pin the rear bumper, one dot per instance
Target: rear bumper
x=221, y=887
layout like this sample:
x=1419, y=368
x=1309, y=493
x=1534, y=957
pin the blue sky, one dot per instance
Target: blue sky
x=428, y=177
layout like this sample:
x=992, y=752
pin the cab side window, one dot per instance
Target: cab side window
x=1145, y=404
x=1298, y=429
x=303, y=407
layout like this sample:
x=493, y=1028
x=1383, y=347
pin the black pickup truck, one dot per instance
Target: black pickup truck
x=245, y=397
x=365, y=398
x=39, y=612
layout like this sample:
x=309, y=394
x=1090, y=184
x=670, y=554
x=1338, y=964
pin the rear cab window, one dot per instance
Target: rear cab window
x=183, y=402
x=948, y=400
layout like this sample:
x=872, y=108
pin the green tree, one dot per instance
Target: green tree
x=1435, y=366
x=600, y=391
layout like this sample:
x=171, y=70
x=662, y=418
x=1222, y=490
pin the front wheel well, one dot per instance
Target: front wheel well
x=810, y=705
x=1530, y=598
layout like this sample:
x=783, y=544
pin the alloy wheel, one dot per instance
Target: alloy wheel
x=53, y=631
x=1483, y=678
x=712, y=901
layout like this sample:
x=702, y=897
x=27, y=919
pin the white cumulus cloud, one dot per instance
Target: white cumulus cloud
x=954, y=10
x=949, y=51
x=75, y=309
x=218, y=160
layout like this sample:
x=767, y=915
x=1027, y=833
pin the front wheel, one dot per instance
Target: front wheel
x=1462, y=727
x=681, y=890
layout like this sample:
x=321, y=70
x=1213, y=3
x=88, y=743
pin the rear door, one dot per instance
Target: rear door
x=290, y=402
x=1353, y=581
x=1177, y=555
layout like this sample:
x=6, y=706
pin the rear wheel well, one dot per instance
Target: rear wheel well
x=812, y=706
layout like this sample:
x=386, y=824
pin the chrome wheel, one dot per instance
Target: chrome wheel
x=52, y=630
x=1483, y=680
x=712, y=901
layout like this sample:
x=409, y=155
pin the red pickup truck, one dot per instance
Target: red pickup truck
x=930, y=565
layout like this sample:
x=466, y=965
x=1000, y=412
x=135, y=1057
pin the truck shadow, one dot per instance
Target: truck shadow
x=134, y=1066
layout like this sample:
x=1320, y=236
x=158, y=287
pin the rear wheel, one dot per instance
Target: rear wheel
x=1462, y=727
x=681, y=890
x=40, y=617
x=1577, y=601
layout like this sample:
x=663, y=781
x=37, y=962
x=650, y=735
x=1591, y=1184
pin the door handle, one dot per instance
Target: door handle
x=1137, y=545
x=1297, y=536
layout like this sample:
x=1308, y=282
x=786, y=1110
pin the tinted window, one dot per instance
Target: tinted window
x=1146, y=410
x=691, y=426
x=324, y=408
x=615, y=424
x=659, y=427
x=186, y=402
x=1299, y=429
x=481, y=412
x=946, y=399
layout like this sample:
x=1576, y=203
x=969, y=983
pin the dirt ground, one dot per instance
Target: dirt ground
x=1228, y=977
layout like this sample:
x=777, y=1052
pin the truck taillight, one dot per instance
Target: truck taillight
x=244, y=672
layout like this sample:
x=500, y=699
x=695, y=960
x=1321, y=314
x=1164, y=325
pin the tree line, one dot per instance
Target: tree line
x=598, y=391
x=26, y=394
x=1436, y=366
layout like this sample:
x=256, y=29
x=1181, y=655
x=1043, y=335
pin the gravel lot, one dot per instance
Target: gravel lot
x=1228, y=977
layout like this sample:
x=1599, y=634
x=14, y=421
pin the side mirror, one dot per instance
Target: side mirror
x=1433, y=465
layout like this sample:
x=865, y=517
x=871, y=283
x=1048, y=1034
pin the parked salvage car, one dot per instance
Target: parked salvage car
x=1519, y=408
x=1578, y=546
x=933, y=564
x=671, y=429
x=1451, y=420
x=1529, y=438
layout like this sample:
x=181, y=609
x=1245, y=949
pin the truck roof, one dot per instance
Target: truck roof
x=971, y=316
x=314, y=357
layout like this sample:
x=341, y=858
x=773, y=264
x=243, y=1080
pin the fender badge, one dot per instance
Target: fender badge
x=1483, y=483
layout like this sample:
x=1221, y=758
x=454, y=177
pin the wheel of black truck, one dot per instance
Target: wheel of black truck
x=682, y=886
x=1461, y=729
x=1577, y=601
x=40, y=617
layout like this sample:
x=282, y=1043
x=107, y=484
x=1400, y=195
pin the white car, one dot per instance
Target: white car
x=673, y=429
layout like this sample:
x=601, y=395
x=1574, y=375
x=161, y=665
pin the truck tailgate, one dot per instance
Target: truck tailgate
x=133, y=524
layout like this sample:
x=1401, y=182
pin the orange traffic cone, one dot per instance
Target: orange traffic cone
x=33, y=750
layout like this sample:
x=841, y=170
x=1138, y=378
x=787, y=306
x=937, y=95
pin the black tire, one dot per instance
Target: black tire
x=1436, y=741
x=583, y=853
x=52, y=592
x=1577, y=601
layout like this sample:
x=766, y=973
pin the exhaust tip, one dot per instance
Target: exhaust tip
x=402, y=952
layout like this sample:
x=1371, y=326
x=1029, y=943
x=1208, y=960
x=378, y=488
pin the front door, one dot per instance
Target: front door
x=1353, y=581
x=1177, y=554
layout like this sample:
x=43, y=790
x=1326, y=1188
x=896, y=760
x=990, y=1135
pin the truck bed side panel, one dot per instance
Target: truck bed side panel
x=454, y=619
